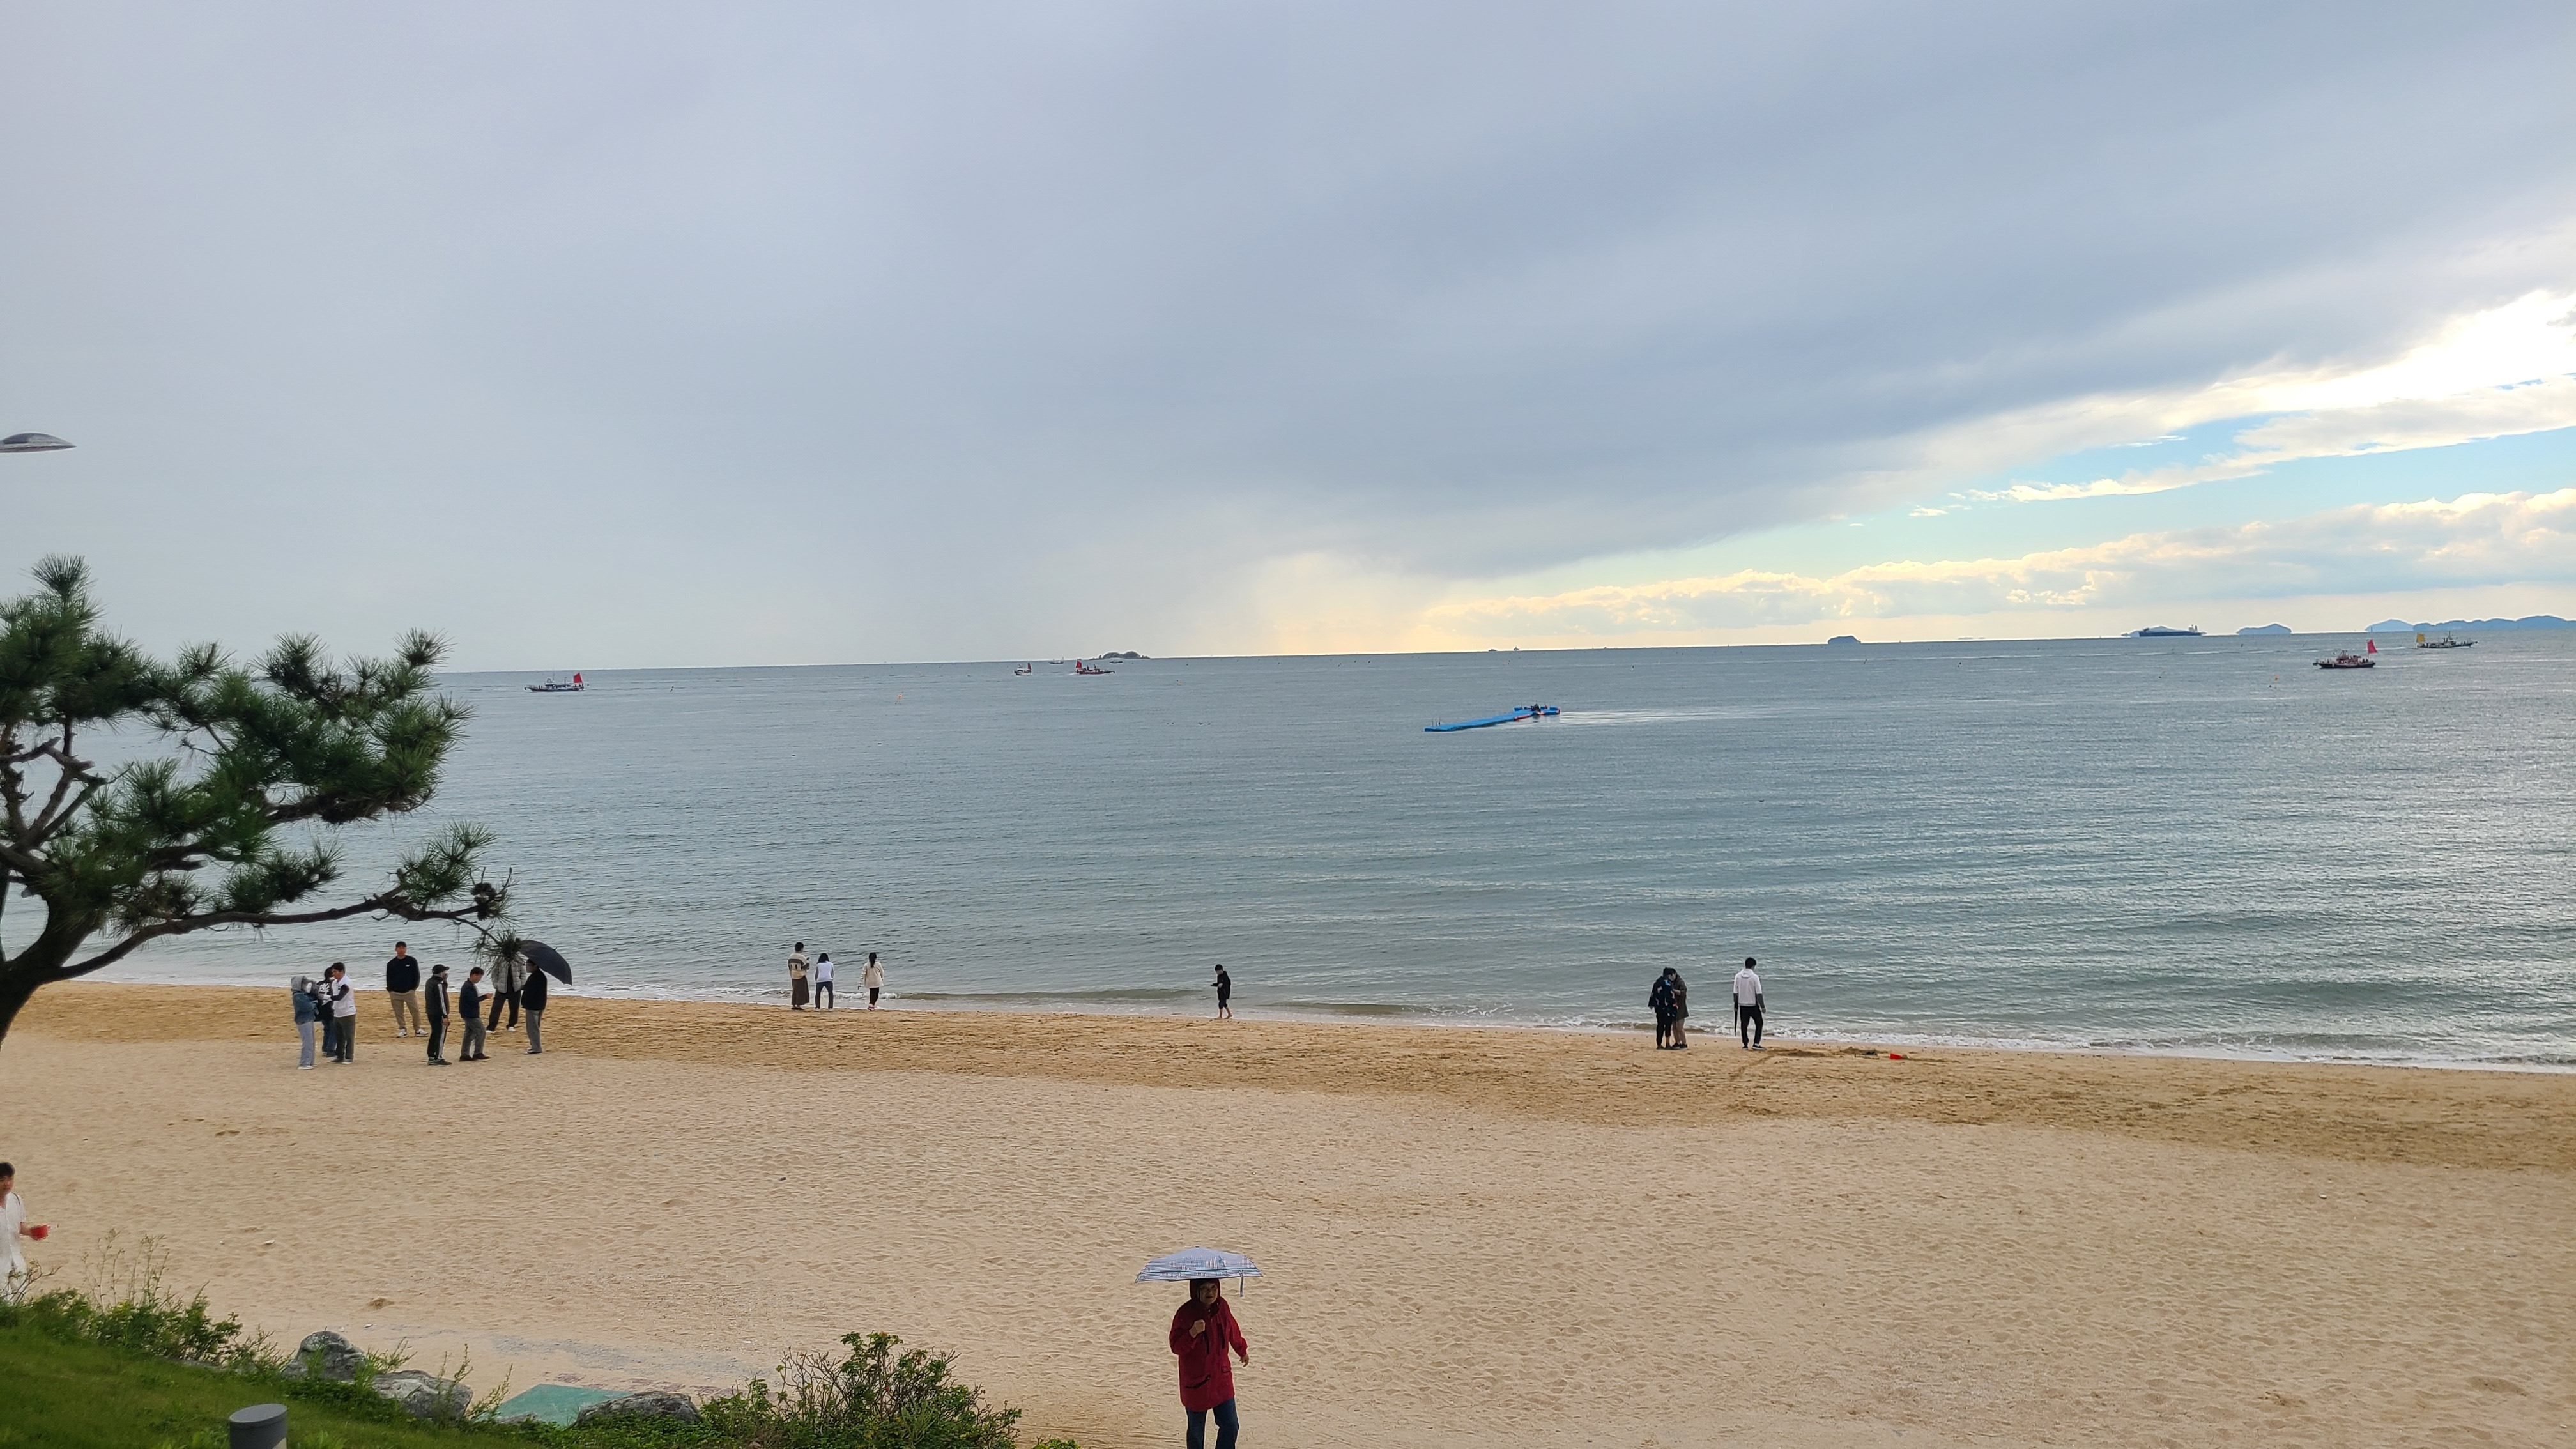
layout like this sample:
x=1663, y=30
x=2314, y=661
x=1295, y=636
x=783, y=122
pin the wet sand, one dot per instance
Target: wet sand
x=1473, y=1237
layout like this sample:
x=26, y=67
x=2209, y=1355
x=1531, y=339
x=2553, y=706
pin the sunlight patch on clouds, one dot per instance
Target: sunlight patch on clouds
x=2476, y=539
x=2499, y=373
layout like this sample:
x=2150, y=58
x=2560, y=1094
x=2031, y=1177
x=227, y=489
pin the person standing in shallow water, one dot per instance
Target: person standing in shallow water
x=1224, y=993
x=1203, y=1328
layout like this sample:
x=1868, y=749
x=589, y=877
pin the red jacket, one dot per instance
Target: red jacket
x=1207, y=1376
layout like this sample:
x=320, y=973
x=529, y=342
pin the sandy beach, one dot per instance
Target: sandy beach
x=1472, y=1237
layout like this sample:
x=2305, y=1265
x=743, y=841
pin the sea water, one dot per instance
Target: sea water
x=2200, y=845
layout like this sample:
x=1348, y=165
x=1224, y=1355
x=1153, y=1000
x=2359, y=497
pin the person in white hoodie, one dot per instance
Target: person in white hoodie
x=873, y=979
x=1748, y=1007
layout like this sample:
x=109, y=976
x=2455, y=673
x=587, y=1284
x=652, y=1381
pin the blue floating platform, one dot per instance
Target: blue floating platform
x=552, y=1403
x=1527, y=711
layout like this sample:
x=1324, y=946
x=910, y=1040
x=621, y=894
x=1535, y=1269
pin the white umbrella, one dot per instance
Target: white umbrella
x=1191, y=1263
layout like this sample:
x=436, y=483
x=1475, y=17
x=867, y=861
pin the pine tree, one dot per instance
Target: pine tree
x=231, y=822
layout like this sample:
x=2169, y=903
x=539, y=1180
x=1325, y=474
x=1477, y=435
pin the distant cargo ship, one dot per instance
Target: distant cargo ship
x=2161, y=632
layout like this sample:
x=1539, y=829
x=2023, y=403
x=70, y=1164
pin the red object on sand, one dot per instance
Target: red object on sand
x=1896, y=1056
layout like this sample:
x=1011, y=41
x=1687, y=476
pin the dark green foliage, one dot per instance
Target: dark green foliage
x=157, y=1325
x=873, y=1399
x=232, y=826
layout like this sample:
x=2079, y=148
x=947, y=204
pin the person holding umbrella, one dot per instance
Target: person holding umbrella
x=536, y=961
x=1203, y=1328
x=532, y=1011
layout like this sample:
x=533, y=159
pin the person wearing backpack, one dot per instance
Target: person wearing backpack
x=308, y=1015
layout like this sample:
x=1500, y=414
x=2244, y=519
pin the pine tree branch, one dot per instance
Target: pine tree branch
x=389, y=903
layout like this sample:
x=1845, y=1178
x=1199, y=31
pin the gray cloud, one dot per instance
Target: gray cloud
x=634, y=334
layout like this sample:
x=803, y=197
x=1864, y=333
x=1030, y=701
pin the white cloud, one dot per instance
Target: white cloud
x=2475, y=539
x=2495, y=374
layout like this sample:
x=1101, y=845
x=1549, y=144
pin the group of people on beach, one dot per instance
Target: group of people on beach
x=421, y=1007
x=810, y=982
x=1669, y=999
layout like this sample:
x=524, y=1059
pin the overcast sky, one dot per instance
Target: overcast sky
x=623, y=334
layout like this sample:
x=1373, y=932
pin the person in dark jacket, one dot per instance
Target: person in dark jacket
x=1224, y=985
x=469, y=999
x=402, y=980
x=1681, y=1012
x=1203, y=1328
x=436, y=1000
x=1659, y=998
x=532, y=1009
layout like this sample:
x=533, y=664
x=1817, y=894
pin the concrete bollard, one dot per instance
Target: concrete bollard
x=261, y=1426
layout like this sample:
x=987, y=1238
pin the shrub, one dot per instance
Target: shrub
x=127, y=1305
x=873, y=1399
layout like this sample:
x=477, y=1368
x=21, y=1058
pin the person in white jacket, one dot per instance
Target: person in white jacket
x=1748, y=1007
x=342, y=1003
x=873, y=979
x=13, y=1226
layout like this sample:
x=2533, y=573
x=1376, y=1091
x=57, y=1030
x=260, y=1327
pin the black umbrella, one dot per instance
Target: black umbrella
x=547, y=959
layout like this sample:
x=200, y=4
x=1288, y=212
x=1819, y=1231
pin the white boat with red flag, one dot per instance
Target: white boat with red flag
x=2349, y=660
x=559, y=686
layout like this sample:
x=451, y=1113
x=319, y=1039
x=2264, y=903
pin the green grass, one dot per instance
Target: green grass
x=72, y=1395
x=127, y=1362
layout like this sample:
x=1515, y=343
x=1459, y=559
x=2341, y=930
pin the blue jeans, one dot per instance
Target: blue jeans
x=1225, y=1426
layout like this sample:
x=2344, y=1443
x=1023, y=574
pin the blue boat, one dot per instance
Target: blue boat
x=1527, y=711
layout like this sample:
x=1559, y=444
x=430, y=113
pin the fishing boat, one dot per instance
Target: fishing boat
x=2346, y=659
x=1026, y=669
x=2447, y=641
x=558, y=686
x=1527, y=711
x=1080, y=667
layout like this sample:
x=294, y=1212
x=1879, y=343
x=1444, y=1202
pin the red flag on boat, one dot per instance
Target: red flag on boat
x=576, y=674
x=2370, y=645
